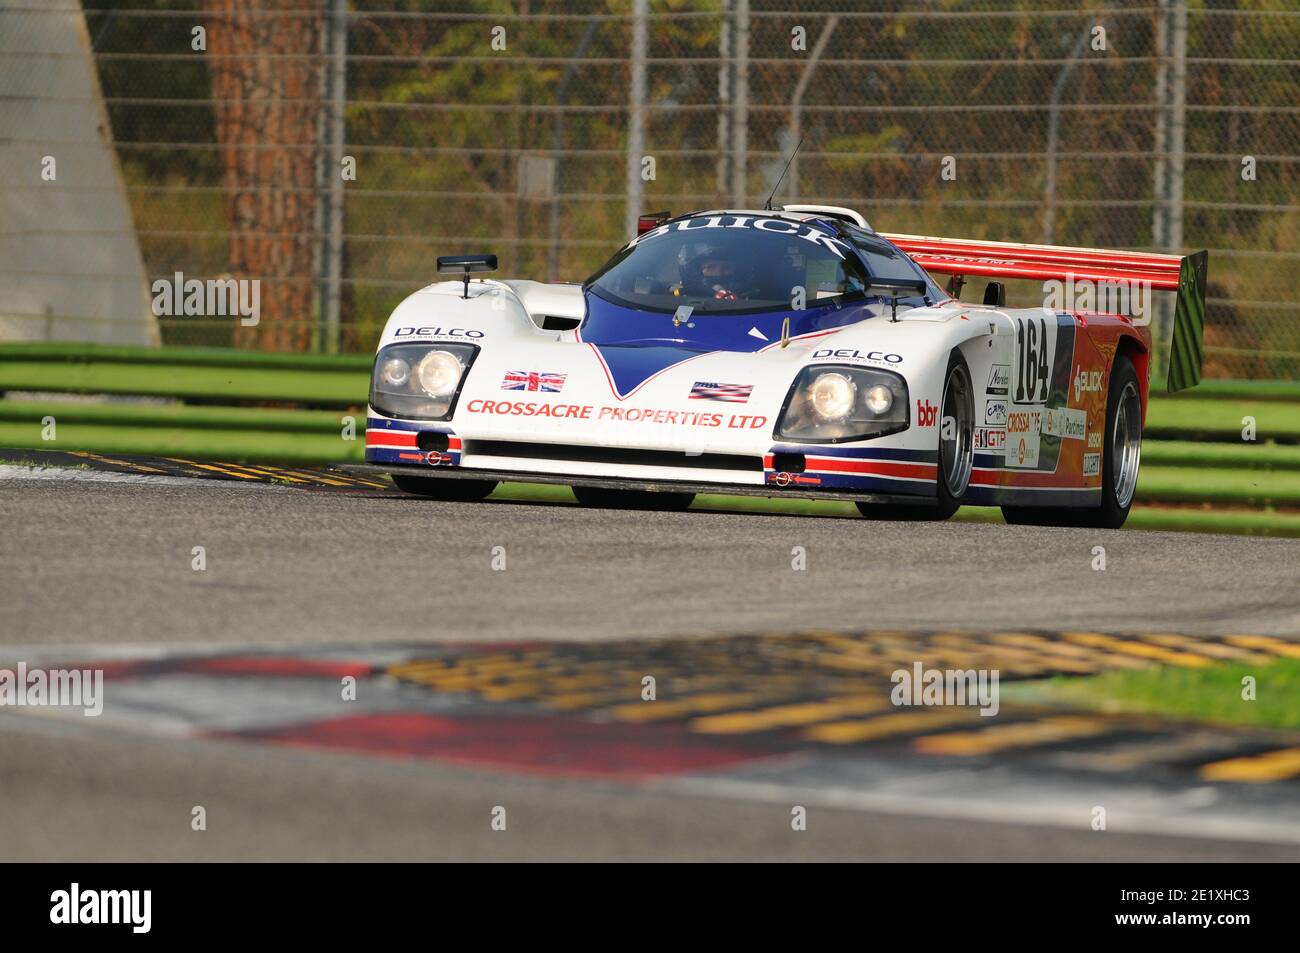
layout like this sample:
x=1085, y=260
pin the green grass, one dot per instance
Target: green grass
x=1209, y=695
x=41, y=464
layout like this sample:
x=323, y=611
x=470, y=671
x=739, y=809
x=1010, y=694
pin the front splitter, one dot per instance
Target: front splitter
x=630, y=483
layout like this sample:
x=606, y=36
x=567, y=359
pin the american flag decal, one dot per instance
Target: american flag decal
x=533, y=380
x=731, y=393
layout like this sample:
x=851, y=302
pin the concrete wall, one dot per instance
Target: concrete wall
x=70, y=264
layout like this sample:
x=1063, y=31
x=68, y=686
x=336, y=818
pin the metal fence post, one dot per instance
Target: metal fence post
x=332, y=259
x=740, y=123
x=636, y=117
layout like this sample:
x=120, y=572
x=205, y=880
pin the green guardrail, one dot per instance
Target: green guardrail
x=207, y=375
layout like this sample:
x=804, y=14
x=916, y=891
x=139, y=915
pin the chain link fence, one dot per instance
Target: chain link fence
x=332, y=150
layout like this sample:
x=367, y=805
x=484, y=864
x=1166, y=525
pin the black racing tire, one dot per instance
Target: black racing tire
x=956, y=453
x=444, y=488
x=605, y=498
x=1119, y=467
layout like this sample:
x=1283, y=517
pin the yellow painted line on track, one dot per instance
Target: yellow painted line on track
x=1218, y=650
x=511, y=691
x=273, y=473
x=788, y=716
x=1138, y=649
x=1020, y=735
x=316, y=477
x=1062, y=656
x=885, y=726
x=1256, y=769
x=1266, y=643
x=117, y=463
x=214, y=468
x=680, y=707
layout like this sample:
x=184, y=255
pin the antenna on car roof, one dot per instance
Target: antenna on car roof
x=767, y=206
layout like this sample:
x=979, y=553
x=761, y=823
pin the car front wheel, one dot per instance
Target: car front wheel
x=956, y=452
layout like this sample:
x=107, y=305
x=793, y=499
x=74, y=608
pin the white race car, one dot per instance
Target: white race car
x=782, y=352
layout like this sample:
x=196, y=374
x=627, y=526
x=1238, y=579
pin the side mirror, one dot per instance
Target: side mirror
x=995, y=294
x=464, y=265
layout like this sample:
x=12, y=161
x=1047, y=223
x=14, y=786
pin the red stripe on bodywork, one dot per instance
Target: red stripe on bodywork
x=922, y=471
x=390, y=438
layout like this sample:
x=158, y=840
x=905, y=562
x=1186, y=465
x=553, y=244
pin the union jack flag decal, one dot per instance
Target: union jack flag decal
x=731, y=393
x=533, y=380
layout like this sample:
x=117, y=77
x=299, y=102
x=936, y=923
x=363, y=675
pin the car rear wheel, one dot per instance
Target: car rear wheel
x=610, y=499
x=956, y=452
x=444, y=488
x=1121, y=459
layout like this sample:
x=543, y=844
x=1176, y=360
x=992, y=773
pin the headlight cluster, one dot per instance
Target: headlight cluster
x=832, y=403
x=419, y=381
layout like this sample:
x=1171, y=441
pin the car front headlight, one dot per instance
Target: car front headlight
x=439, y=373
x=833, y=403
x=420, y=381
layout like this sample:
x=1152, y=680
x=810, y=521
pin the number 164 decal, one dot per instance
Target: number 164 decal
x=1035, y=355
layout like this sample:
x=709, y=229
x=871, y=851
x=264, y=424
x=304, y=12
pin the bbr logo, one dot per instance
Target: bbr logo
x=926, y=413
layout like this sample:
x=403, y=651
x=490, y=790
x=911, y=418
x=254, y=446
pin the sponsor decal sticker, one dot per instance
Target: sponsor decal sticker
x=1086, y=382
x=1022, y=438
x=625, y=415
x=995, y=413
x=1091, y=464
x=990, y=438
x=774, y=226
x=730, y=393
x=438, y=333
x=851, y=354
x=539, y=381
x=999, y=379
x=798, y=479
x=1063, y=422
x=926, y=413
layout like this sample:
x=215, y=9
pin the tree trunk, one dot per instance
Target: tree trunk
x=266, y=92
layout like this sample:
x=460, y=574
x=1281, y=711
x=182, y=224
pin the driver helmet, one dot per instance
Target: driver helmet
x=707, y=269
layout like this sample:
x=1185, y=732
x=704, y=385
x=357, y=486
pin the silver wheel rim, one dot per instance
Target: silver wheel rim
x=955, y=443
x=1126, y=444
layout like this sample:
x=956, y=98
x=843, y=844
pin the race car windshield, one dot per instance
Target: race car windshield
x=730, y=264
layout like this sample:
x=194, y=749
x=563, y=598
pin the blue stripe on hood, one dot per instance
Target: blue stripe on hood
x=609, y=323
x=630, y=367
x=635, y=345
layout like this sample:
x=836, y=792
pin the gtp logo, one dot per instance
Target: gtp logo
x=926, y=413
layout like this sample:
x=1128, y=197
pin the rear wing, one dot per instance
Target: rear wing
x=1183, y=275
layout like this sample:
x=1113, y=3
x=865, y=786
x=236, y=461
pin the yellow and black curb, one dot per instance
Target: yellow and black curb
x=308, y=477
x=819, y=689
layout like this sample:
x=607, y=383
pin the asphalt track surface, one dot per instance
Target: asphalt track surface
x=108, y=566
x=86, y=563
